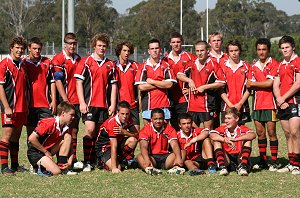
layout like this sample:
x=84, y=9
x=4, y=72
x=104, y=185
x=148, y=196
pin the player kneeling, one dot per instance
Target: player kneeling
x=189, y=140
x=155, y=139
x=52, y=137
x=114, y=143
x=232, y=144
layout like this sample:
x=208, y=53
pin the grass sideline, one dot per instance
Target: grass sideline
x=135, y=183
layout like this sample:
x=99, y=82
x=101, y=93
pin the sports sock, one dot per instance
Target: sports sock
x=89, y=151
x=220, y=157
x=74, y=144
x=127, y=152
x=14, y=154
x=274, y=150
x=297, y=159
x=4, y=147
x=210, y=161
x=246, y=151
x=61, y=160
x=262, y=145
x=291, y=158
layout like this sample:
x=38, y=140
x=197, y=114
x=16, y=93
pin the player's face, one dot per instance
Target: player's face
x=67, y=117
x=287, y=50
x=216, y=42
x=35, y=51
x=124, y=115
x=17, y=51
x=158, y=120
x=70, y=46
x=185, y=125
x=176, y=45
x=230, y=121
x=262, y=51
x=125, y=53
x=201, y=52
x=154, y=50
x=100, y=48
x=234, y=53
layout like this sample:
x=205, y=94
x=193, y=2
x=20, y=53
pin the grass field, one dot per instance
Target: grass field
x=135, y=183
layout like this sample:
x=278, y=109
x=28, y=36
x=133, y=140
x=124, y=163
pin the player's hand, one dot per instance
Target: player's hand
x=238, y=106
x=53, y=107
x=8, y=111
x=115, y=170
x=192, y=84
x=230, y=143
x=118, y=130
x=48, y=154
x=187, y=145
x=194, y=90
x=83, y=108
x=111, y=110
x=185, y=91
x=200, y=89
x=150, y=81
x=249, y=84
x=280, y=100
x=284, y=105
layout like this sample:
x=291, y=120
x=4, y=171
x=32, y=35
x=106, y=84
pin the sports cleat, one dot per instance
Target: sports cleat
x=195, y=172
x=295, y=170
x=8, y=172
x=285, y=169
x=260, y=166
x=153, y=171
x=20, y=169
x=274, y=167
x=68, y=172
x=242, y=170
x=212, y=169
x=176, y=170
x=78, y=165
x=87, y=168
x=223, y=172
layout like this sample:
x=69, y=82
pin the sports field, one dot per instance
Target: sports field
x=135, y=183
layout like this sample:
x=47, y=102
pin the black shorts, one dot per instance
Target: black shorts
x=199, y=117
x=95, y=114
x=75, y=122
x=135, y=116
x=178, y=109
x=293, y=110
x=244, y=118
x=202, y=162
x=161, y=160
x=34, y=155
x=36, y=114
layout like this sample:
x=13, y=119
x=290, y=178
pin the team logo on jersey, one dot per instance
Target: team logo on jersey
x=292, y=67
x=206, y=71
x=243, y=71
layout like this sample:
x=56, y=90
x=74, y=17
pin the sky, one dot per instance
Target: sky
x=291, y=7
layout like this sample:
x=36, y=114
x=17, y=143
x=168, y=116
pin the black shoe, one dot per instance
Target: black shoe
x=260, y=166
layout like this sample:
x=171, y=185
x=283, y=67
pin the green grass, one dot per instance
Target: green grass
x=135, y=183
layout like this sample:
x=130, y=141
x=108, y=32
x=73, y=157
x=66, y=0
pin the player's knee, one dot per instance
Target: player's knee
x=132, y=141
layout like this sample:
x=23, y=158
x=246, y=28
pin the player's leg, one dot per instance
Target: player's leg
x=271, y=129
x=14, y=150
x=134, y=113
x=207, y=149
x=7, y=131
x=127, y=151
x=244, y=158
x=220, y=158
x=74, y=131
x=294, y=125
x=262, y=145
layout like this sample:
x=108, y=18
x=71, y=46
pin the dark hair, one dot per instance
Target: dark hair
x=157, y=110
x=263, y=41
x=100, y=37
x=123, y=104
x=154, y=40
x=19, y=40
x=70, y=35
x=35, y=40
x=202, y=43
x=233, y=111
x=176, y=35
x=186, y=116
x=234, y=43
x=64, y=106
x=287, y=39
x=119, y=47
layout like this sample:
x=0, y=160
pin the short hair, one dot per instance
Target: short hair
x=176, y=35
x=263, y=41
x=287, y=39
x=123, y=104
x=119, y=47
x=233, y=42
x=215, y=34
x=70, y=35
x=157, y=110
x=186, y=116
x=234, y=111
x=35, y=40
x=154, y=40
x=100, y=37
x=19, y=40
x=64, y=106
x=202, y=43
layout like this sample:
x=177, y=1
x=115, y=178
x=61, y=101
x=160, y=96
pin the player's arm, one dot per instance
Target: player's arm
x=215, y=85
x=33, y=139
x=53, y=98
x=113, y=99
x=7, y=109
x=146, y=87
x=215, y=136
x=249, y=136
x=61, y=90
x=114, y=155
x=261, y=84
x=226, y=99
x=204, y=134
x=182, y=77
x=80, y=93
x=120, y=131
x=164, y=84
x=145, y=152
x=276, y=92
x=293, y=90
x=243, y=100
x=176, y=150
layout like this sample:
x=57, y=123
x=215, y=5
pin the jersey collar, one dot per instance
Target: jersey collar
x=119, y=65
x=287, y=62
x=184, y=136
x=35, y=64
x=198, y=64
x=20, y=62
x=119, y=122
x=171, y=56
x=228, y=64
x=73, y=59
x=214, y=56
x=64, y=129
x=150, y=64
x=160, y=131
x=234, y=134
x=102, y=60
x=261, y=65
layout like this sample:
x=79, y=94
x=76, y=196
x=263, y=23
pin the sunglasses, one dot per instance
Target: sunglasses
x=71, y=43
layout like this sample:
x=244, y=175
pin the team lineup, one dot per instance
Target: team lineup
x=194, y=107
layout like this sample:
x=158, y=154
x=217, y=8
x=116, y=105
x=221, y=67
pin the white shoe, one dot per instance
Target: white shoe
x=87, y=168
x=176, y=170
x=153, y=171
x=295, y=170
x=223, y=172
x=70, y=172
x=285, y=169
x=78, y=165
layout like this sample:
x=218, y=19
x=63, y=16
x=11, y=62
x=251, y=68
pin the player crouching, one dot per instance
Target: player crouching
x=114, y=143
x=232, y=144
x=52, y=137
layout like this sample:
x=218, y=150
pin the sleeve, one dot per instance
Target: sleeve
x=80, y=70
x=220, y=77
x=181, y=143
x=172, y=135
x=143, y=135
x=141, y=75
x=113, y=76
x=217, y=131
x=57, y=64
x=3, y=71
x=169, y=75
x=109, y=128
x=245, y=130
x=45, y=127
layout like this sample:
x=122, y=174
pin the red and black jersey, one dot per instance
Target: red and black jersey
x=67, y=65
x=287, y=73
x=14, y=80
x=236, y=80
x=192, y=152
x=238, y=132
x=96, y=76
x=263, y=97
x=156, y=98
x=127, y=90
x=106, y=132
x=49, y=132
x=202, y=75
x=158, y=141
x=40, y=77
x=179, y=66
x=224, y=57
